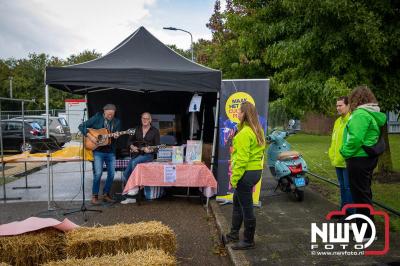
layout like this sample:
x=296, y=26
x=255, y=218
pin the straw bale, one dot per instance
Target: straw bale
x=139, y=258
x=33, y=248
x=109, y=240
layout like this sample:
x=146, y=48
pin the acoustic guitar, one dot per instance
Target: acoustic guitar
x=161, y=146
x=102, y=137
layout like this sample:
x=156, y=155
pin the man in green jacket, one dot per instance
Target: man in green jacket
x=363, y=129
x=337, y=160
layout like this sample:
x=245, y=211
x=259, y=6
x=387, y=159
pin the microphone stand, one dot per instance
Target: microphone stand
x=83, y=208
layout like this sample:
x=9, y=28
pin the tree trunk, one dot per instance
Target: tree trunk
x=385, y=166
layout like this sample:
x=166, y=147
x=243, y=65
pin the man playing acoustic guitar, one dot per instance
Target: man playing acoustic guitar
x=103, y=154
x=146, y=135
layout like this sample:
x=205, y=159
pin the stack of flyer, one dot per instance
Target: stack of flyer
x=164, y=155
x=177, y=154
x=193, y=151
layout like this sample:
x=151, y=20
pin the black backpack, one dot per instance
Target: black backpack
x=376, y=149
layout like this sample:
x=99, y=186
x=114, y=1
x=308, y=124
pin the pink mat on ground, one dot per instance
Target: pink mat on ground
x=33, y=224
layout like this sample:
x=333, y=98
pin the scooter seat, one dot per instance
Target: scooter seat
x=288, y=155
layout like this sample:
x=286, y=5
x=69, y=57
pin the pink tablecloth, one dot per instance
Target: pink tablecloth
x=187, y=175
x=34, y=224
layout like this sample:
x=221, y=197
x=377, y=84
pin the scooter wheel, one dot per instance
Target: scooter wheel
x=299, y=194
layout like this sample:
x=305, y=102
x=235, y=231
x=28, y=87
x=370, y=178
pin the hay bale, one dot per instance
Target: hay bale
x=33, y=248
x=139, y=258
x=109, y=240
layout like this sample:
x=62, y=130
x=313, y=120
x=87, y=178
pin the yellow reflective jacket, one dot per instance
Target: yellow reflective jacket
x=336, y=158
x=247, y=154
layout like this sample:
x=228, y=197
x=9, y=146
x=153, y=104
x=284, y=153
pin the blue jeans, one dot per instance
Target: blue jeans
x=143, y=158
x=99, y=159
x=345, y=193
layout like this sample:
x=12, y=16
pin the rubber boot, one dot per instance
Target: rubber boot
x=233, y=235
x=249, y=231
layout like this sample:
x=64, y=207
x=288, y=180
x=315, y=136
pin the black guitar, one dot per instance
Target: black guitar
x=142, y=145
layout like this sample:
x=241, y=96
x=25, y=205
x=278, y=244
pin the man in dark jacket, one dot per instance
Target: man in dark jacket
x=103, y=154
x=145, y=135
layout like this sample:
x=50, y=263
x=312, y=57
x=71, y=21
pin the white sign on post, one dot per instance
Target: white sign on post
x=195, y=103
x=169, y=173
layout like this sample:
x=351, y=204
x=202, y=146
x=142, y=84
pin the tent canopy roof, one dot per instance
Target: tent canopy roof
x=141, y=62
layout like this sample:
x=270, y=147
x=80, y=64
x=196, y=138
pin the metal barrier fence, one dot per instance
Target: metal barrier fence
x=393, y=122
x=377, y=203
x=73, y=117
x=12, y=114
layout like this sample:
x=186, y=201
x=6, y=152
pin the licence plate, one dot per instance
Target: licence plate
x=299, y=181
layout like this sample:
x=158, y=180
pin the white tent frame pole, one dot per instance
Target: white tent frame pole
x=191, y=124
x=215, y=134
x=47, y=110
x=49, y=207
x=50, y=196
x=202, y=125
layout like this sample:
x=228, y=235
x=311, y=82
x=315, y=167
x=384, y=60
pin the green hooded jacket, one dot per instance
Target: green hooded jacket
x=336, y=158
x=246, y=155
x=363, y=128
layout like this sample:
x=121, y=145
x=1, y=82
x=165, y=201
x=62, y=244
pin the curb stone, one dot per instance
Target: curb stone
x=237, y=256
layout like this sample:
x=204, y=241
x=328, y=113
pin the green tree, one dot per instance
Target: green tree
x=315, y=50
x=28, y=79
x=5, y=73
x=185, y=53
x=57, y=96
x=86, y=55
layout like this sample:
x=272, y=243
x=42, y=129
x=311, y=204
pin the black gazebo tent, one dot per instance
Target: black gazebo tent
x=141, y=62
x=142, y=74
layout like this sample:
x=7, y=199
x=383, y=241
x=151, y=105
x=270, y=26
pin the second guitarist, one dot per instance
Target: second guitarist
x=145, y=135
x=103, y=154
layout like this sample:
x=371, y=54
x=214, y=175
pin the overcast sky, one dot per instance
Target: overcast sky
x=64, y=27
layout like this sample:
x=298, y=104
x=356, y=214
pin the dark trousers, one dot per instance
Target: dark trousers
x=360, y=176
x=243, y=205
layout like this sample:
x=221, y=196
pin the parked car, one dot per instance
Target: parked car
x=13, y=137
x=59, y=130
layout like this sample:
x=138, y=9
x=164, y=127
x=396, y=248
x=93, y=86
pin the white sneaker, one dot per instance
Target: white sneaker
x=133, y=192
x=128, y=200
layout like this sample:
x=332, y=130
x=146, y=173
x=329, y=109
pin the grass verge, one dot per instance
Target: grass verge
x=314, y=149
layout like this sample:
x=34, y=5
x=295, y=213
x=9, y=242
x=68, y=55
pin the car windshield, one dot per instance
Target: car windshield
x=63, y=122
x=14, y=125
x=35, y=125
x=41, y=122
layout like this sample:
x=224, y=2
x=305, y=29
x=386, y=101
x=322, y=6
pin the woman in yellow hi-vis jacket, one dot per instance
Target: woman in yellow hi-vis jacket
x=247, y=164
